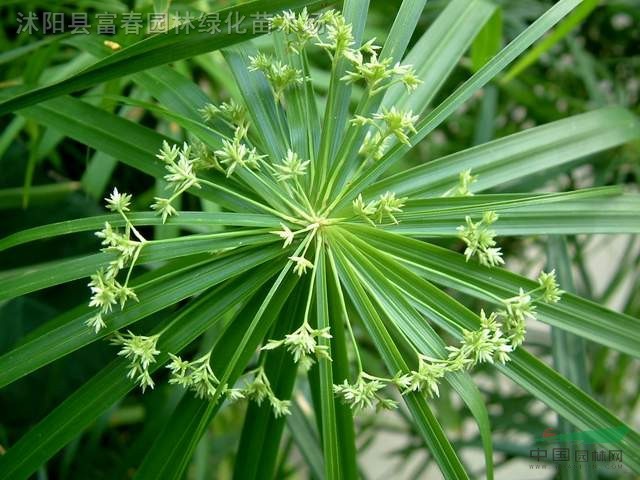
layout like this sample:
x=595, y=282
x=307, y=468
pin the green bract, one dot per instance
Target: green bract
x=321, y=247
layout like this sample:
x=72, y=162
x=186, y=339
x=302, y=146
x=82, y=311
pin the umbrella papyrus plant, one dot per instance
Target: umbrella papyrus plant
x=318, y=238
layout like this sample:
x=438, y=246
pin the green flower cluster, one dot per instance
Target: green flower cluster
x=480, y=240
x=198, y=377
x=303, y=345
x=106, y=290
x=377, y=210
x=500, y=333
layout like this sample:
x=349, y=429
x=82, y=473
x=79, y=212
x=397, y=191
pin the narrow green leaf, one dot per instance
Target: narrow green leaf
x=184, y=219
x=69, y=333
x=402, y=29
x=573, y=314
x=103, y=390
x=429, y=427
x=302, y=119
x=24, y=280
x=526, y=215
x=518, y=155
x=460, y=95
x=332, y=464
x=338, y=318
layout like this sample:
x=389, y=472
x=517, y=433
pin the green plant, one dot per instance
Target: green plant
x=318, y=240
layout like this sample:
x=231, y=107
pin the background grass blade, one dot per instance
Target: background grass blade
x=563, y=29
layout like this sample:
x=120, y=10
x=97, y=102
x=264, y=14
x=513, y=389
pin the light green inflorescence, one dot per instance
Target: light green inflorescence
x=291, y=180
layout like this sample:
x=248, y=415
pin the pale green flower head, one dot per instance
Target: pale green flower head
x=426, y=378
x=480, y=240
x=164, y=208
x=551, y=291
x=300, y=264
x=303, y=345
x=292, y=167
x=362, y=394
x=118, y=202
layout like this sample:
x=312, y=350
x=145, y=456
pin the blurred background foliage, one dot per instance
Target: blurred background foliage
x=592, y=59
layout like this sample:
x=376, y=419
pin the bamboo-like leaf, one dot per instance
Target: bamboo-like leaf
x=268, y=118
x=427, y=424
x=402, y=29
x=573, y=314
x=302, y=119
